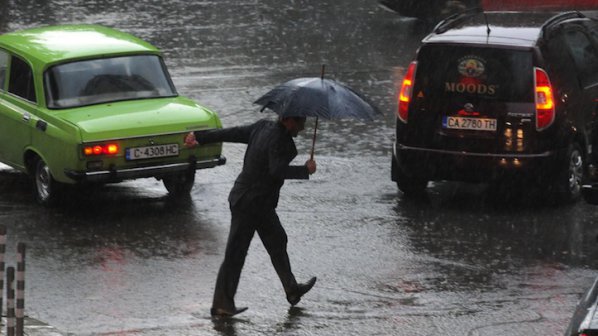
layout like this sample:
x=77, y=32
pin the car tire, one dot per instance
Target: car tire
x=409, y=185
x=590, y=194
x=569, y=177
x=179, y=184
x=46, y=189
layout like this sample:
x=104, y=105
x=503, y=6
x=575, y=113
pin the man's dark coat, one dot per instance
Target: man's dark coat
x=270, y=149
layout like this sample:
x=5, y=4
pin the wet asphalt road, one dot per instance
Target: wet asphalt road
x=127, y=260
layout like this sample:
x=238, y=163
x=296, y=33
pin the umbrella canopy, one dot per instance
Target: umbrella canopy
x=317, y=97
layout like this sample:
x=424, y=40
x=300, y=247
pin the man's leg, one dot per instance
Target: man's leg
x=275, y=240
x=239, y=238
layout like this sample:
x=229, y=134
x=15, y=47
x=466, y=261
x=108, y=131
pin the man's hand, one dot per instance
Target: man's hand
x=190, y=140
x=311, y=166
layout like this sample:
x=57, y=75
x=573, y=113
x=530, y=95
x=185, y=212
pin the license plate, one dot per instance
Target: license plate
x=148, y=152
x=464, y=123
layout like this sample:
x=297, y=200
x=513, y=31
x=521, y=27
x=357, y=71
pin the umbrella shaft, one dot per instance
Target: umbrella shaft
x=313, y=143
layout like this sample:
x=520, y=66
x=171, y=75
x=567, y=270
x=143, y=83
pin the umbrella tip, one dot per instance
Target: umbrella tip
x=323, y=70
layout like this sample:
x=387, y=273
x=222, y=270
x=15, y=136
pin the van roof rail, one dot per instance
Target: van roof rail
x=455, y=19
x=560, y=18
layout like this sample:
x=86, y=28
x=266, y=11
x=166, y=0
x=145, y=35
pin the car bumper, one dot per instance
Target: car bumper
x=435, y=164
x=115, y=175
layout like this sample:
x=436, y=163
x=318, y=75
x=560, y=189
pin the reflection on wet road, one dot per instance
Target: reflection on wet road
x=127, y=260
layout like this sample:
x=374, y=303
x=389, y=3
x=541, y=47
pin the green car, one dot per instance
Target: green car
x=88, y=104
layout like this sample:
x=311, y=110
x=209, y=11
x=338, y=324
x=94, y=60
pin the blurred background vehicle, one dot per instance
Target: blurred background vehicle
x=434, y=10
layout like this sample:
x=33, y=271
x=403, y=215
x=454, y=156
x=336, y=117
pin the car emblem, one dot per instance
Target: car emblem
x=468, y=107
x=151, y=141
x=471, y=66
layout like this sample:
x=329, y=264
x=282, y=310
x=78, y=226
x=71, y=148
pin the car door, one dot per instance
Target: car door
x=17, y=101
x=584, y=52
x=592, y=88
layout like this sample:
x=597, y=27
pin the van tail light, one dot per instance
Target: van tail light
x=544, y=100
x=406, y=92
x=101, y=149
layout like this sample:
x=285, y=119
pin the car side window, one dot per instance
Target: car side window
x=3, y=66
x=20, y=81
x=585, y=56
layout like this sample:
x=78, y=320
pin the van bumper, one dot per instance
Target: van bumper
x=437, y=164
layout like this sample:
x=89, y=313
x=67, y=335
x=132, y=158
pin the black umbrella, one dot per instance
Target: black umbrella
x=317, y=97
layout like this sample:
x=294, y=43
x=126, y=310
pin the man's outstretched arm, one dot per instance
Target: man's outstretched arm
x=238, y=134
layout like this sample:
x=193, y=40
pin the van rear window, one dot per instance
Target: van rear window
x=478, y=73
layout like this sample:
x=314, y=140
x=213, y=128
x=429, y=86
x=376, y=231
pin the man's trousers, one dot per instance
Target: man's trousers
x=244, y=223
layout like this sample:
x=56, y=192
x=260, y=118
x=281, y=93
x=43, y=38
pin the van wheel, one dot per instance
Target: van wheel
x=568, y=181
x=590, y=194
x=407, y=184
x=47, y=190
x=410, y=185
x=179, y=184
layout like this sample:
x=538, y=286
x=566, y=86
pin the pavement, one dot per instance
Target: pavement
x=33, y=327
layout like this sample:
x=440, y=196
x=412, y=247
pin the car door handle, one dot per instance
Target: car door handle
x=26, y=116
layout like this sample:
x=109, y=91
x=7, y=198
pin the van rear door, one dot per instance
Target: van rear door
x=473, y=99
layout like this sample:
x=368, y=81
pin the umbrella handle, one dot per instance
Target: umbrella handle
x=313, y=142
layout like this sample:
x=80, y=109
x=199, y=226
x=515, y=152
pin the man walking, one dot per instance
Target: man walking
x=253, y=200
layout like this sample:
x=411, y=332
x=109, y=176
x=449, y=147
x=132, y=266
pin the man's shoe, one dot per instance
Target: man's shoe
x=221, y=312
x=295, y=297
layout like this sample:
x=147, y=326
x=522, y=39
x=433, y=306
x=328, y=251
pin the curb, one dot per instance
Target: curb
x=33, y=327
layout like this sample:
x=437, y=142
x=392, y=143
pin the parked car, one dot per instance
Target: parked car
x=498, y=96
x=528, y=5
x=430, y=11
x=433, y=11
x=585, y=318
x=89, y=104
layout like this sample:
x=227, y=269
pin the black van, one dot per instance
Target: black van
x=494, y=96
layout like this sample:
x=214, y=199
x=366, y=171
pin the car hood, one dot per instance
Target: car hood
x=139, y=118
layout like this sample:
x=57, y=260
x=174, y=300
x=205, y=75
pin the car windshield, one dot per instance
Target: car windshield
x=106, y=80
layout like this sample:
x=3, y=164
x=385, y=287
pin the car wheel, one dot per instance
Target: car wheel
x=46, y=189
x=590, y=194
x=410, y=185
x=569, y=178
x=179, y=184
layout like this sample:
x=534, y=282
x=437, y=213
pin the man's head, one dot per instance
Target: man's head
x=294, y=125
